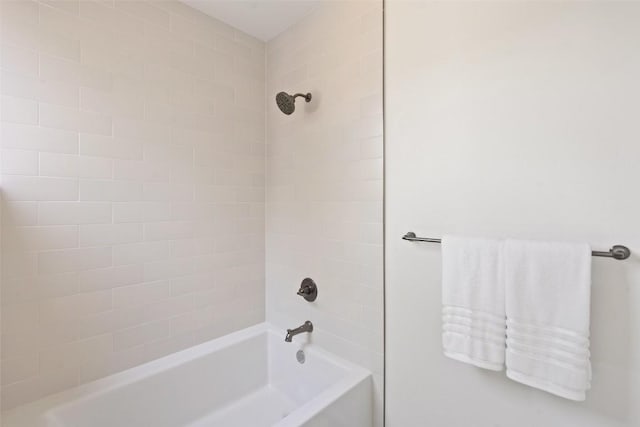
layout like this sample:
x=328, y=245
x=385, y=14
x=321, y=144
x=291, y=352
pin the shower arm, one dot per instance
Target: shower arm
x=306, y=96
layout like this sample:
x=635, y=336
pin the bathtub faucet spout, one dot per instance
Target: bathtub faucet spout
x=305, y=327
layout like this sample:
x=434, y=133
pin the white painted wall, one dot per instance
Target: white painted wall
x=510, y=119
x=324, y=181
x=133, y=187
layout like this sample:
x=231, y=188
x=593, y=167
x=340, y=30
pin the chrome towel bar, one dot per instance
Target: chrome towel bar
x=617, y=251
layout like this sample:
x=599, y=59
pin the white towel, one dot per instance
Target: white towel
x=547, y=297
x=473, y=316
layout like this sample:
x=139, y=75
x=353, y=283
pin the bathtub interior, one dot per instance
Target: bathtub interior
x=301, y=381
x=251, y=380
x=176, y=396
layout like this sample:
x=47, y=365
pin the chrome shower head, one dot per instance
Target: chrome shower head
x=287, y=103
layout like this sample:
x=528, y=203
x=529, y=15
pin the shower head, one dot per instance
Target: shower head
x=287, y=103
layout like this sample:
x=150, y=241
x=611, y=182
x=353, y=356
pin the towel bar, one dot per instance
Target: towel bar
x=617, y=251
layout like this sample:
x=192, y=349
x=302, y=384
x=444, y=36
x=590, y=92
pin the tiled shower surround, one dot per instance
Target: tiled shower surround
x=324, y=181
x=132, y=184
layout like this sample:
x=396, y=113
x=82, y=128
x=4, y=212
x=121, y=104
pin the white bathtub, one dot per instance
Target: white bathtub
x=250, y=378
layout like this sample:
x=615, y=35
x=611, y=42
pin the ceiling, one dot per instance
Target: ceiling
x=263, y=19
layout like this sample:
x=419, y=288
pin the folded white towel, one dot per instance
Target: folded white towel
x=547, y=297
x=473, y=316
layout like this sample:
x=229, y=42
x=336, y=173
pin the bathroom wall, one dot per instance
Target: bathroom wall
x=133, y=187
x=510, y=119
x=324, y=181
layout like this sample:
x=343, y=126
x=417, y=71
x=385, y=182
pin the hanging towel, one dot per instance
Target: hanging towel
x=547, y=297
x=473, y=316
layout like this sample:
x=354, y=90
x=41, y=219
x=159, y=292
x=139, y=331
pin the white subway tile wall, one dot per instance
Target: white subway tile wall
x=324, y=181
x=133, y=173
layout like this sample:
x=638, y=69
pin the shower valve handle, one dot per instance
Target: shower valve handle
x=308, y=290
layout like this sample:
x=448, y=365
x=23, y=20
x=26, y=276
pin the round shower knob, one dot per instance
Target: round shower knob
x=308, y=289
